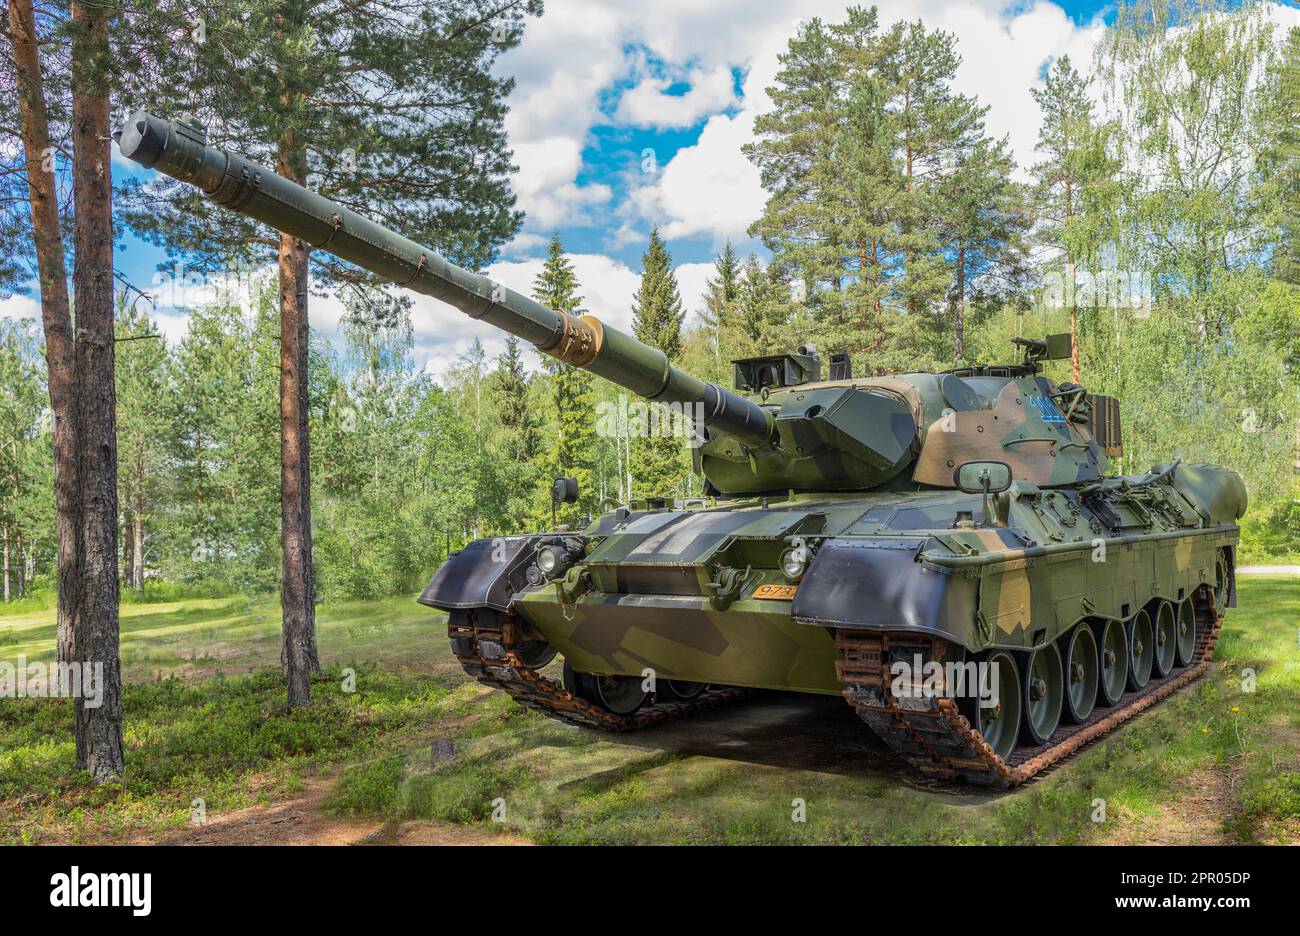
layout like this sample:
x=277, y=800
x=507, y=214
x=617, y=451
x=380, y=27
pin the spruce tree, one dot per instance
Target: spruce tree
x=657, y=311
x=556, y=287
x=720, y=294
x=763, y=310
x=517, y=415
x=659, y=462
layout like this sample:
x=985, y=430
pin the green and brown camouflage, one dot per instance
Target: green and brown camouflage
x=832, y=510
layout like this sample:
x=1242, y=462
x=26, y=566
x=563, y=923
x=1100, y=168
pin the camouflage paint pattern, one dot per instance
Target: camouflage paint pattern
x=649, y=605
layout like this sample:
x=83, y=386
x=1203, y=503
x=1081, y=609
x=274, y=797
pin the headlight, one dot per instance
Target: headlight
x=793, y=563
x=548, y=559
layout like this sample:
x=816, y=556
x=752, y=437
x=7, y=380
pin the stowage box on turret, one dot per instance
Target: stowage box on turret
x=946, y=551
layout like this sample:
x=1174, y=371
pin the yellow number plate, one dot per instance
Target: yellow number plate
x=776, y=592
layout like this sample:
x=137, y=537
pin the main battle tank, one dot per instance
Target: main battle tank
x=944, y=550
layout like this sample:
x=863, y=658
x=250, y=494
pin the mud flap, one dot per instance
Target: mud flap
x=485, y=574
x=878, y=584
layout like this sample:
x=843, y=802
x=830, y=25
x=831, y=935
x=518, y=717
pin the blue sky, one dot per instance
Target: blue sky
x=602, y=84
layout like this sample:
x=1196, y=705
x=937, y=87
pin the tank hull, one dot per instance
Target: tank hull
x=893, y=579
x=1026, y=600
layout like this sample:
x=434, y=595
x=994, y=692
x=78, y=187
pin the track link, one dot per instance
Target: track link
x=934, y=736
x=484, y=641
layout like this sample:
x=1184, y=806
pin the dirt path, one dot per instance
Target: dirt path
x=299, y=821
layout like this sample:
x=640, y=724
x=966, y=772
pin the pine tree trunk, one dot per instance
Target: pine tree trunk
x=304, y=470
x=4, y=537
x=22, y=563
x=99, y=729
x=137, y=546
x=959, y=347
x=55, y=318
x=125, y=571
x=298, y=650
x=1074, y=324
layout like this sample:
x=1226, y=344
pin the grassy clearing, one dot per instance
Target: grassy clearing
x=197, y=637
x=417, y=741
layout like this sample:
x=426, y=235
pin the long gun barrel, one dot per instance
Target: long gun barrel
x=181, y=151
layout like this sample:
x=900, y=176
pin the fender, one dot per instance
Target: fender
x=487, y=573
x=879, y=584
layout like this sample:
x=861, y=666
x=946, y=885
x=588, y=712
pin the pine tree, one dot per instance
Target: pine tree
x=985, y=229
x=1075, y=170
x=864, y=132
x=659, y=455
x=556, y=287
x=931, y=125
x=66, y=71
x=868, y=198
x=795, y=147
x=373, y=109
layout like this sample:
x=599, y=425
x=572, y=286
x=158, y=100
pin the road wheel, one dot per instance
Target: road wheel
x=1081, y=674
x=679, y=690
x=1221, y=582
x=1112, y=654
x=998, y=717
x=622, y=695
x=1166, y=631
x=1186, y=630
x=1043, y=690
x=1141, y=650
x=535, y=654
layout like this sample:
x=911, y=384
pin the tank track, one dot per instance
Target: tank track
x=935, y=738
x=485, y=642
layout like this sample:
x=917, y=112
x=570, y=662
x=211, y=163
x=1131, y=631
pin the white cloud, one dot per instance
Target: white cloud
x=545, y=182
x=523, y=244
x=650, y=103
x=20, y=307
x=709, y=188
x=691, y=280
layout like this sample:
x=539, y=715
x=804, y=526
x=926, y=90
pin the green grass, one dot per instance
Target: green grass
x=418, y=741
x=223, y=636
